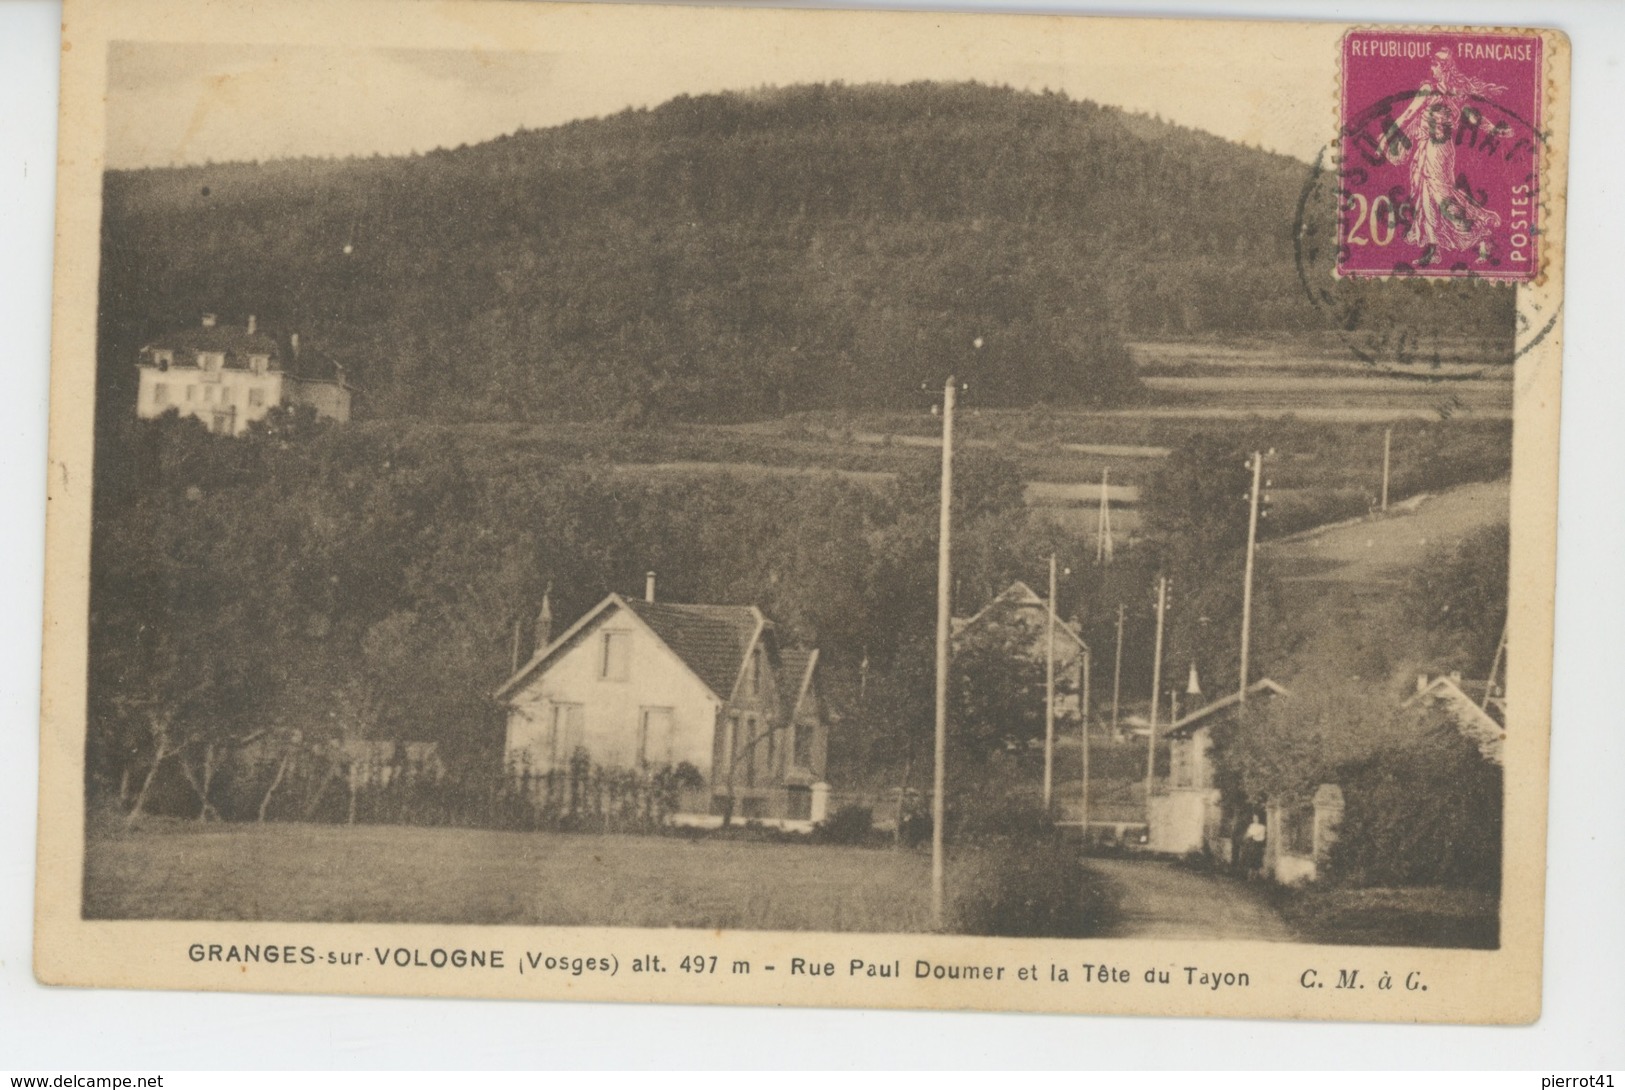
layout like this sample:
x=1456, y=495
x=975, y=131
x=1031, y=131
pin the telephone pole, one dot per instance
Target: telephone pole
x=1103, y=527
x=1117, y=672
x=1156, y=689
x=1387, y=450
x=1083, y=708
x=944, y=592
x=1049, y=692
x=1247, y=578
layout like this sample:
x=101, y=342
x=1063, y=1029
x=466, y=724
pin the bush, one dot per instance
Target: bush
x=848, y=825
x=1002, y=820
x=1424, y=813
x=1028, y=889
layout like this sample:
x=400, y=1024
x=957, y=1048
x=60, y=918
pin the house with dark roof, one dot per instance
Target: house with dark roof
x=230, y=376
x=643, y=685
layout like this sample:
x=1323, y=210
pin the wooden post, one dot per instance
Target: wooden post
x=1247, y=577
x=944, y=593
x=1117, y=671
x=1387, y=449
x=1049, y=692
x=1083, y=717
x=1156, y=688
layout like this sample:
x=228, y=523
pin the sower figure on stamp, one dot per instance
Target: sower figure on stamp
x=1445, y=214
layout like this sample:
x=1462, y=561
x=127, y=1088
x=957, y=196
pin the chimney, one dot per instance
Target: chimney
x=208, y=321
x=1421, y=683
x=250, y=325
x=649, y=586
x=544, y=620
x=293, y=344
x=1455, y=678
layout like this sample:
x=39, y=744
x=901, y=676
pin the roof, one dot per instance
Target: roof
x=712, y=640
x=1194, y=721
x=1018, y=596
x=313, y=365
x=235, y=341
x=1474, y=723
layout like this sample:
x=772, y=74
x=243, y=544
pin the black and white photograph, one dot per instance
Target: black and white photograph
x=687, y=504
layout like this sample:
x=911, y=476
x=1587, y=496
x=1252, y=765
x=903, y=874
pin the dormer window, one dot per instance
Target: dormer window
x=211, y=361
x=163, y=358
x=258, y=363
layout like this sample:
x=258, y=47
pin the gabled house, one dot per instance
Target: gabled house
x=646, y=685
x=1187, y=816
x=1019, y=605
x=230, y=376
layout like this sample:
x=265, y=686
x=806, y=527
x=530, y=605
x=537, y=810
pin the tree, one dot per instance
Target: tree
x=1197, y=502
x=1459, y=595
x=999, y=687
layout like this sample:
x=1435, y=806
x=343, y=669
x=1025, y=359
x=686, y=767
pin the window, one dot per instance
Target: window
x=802, y=745
x=567, y=735
x=256, y=397
x=208, y=393
x=727, y=754
x=752, y=728
x=617, y=655
x=160, y=393
x=655, y=737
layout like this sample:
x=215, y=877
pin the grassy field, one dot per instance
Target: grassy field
x=1427, y=916
x=398, y=874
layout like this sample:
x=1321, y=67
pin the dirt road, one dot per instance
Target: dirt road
x=1385, y=550
x=1161, y=900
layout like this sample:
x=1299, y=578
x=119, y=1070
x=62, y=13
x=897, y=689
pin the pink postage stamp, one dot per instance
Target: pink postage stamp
x=1441, y=152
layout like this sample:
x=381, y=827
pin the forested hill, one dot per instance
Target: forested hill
x=733, y=255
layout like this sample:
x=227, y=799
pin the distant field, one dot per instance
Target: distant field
x=1321, y=410
x=396, y=874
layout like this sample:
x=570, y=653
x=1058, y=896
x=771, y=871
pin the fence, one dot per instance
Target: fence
x=419, y=789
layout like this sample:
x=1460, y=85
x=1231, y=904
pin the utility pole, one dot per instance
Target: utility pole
x=1247, y=578
x=1083, y=708
x=1387, y=449
x=1495, y=665
x=944, y=592
x=1103, y=529
x=1117, y=672
x=1049, y=692
x=1156, y=690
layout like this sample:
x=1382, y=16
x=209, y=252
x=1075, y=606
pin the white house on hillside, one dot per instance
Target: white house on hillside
x=230, y=376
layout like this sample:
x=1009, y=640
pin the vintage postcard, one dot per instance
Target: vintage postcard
x=674, y=504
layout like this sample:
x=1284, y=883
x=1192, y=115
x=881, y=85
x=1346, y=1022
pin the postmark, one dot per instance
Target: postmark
x=1440, y=155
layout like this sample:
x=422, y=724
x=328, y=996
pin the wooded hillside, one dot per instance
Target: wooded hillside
x=737, y=255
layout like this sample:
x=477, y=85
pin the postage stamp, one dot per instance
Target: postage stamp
x=1441, y=148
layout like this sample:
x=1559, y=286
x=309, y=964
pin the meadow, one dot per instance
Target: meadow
x=399, y=874
x=1323, y=414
